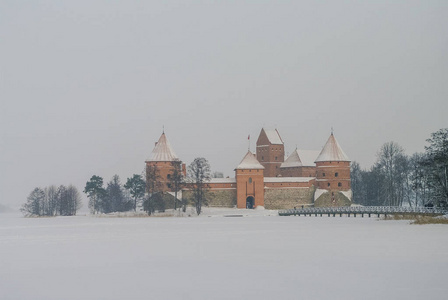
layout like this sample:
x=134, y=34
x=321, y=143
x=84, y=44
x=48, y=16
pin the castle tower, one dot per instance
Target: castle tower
x=249, y=182
x=270, y=151
x=333, y=167
x=163, y=158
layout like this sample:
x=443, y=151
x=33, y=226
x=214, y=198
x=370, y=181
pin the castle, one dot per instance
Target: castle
x=306, y=178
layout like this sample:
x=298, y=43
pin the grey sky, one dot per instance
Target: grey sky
x=86, y=86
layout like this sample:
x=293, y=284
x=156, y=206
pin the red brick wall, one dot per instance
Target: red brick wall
x=245, y=188
x=333, y=175
x=289, y=184
x=165, y=168
x=270, y=156
x=298, y=172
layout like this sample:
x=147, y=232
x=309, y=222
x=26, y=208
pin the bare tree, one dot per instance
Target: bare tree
x=33, y=206
x=357, y=183
x=392, y=163
x=436, y=164
x=73, y=201
x=153, y=188
x=176, y=179
x=52, y=200
x=199, y=176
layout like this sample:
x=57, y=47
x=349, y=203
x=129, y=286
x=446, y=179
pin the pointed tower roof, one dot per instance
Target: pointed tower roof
x=292, y=161
x=332, y=151
x=162, y=151
x=250, y=162
x=273, y=136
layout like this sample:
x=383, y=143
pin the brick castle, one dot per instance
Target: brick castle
x=306, y=178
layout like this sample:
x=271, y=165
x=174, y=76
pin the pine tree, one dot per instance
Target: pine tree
x=136, y=187
x=95, y=191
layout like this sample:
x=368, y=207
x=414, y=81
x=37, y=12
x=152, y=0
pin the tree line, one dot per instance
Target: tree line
x=397, y=179
x=150, y=193
x=52, y=201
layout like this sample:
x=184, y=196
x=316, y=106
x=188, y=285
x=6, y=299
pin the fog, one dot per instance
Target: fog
x=87, y=86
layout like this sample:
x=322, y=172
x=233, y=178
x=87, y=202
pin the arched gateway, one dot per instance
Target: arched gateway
x=250, y=202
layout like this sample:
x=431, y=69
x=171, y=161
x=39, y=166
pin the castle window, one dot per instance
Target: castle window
x=250, y=179
x=168, y=176
x=328, y=184
x=262, y=158
x=339, y=184
x=323, y=174
x=336, y=174
x=276, y=158
x=169, y=185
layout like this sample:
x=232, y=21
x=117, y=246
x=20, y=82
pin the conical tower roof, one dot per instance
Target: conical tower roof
x=250, y=162
x=332, y=151
x=162, y=151
x=292, y=161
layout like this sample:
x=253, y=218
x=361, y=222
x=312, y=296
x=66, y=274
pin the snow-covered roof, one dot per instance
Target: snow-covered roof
x=292, y=161
x=332, y=151
x=308, y=157
x=287, y=179
x=273, y=136
x=222, y=180
x=301, y=158
x=162, y=151
x=250, y=162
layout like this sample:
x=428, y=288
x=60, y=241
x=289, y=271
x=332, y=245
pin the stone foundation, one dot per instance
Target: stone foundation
x=215, y=198
x=288, y=198
x=327, y=200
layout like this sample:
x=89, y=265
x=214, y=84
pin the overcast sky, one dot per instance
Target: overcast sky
x=86, y=86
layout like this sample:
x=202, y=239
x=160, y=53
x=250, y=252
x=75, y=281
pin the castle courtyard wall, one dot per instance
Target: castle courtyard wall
x=215, y=197
x=288, y=198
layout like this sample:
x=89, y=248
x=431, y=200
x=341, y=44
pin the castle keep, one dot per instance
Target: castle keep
x=306, y=178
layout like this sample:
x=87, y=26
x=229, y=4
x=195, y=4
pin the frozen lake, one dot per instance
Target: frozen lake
x=252, y=257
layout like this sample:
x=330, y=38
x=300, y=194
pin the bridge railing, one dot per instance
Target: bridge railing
x=382, y=210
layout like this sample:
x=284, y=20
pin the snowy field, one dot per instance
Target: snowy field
x=257, y=256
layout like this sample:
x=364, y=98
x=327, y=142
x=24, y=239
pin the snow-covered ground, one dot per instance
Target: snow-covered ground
x=256, y=256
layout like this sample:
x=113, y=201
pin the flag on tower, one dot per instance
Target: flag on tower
x=248, y=137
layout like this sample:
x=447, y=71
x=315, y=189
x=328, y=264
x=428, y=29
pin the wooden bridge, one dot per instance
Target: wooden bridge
x=363, y=210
